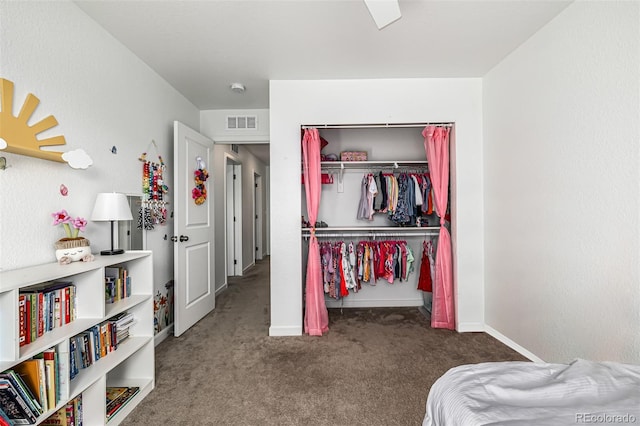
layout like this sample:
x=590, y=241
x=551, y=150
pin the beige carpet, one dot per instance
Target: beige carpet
x=374, y=367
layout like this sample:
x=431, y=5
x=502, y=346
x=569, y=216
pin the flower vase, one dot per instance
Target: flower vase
x=73, y=249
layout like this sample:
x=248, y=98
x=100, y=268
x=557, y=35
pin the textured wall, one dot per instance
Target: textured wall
x=102, y=95
x=561, y=170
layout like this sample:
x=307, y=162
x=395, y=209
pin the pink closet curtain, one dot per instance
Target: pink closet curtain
x=436, y=144
x=316, y=317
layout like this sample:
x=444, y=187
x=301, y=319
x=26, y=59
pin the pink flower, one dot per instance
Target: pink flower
x=79, y=223
x=63, y=218
x=60, y=217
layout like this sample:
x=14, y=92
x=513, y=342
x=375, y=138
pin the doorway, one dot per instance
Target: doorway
x=233, y=215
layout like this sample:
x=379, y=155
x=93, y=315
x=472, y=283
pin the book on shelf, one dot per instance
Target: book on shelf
x=23, y=390
x=43, y=307
x=117, y=283
x=117, y=397
x=51, y=368
x=33, y=374
x=94, y=343
x=68, y=415
x=5, y=420
x=14, y=406
x=58, y=418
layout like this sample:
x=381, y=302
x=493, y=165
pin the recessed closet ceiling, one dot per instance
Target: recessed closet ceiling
x=201, y=47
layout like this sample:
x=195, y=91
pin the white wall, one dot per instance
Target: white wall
x=561, y=171
x=212, y=125
x=216, y=120
x=293, y=103
x=102, y=95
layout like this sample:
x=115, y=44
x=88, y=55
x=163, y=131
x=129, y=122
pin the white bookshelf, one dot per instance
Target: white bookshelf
x=132, y=364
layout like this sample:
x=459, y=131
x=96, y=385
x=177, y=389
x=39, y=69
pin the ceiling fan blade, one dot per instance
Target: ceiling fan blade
x=383, y=12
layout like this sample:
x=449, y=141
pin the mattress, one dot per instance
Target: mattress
x=526, y=393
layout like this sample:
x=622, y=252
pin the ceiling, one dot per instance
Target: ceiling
x=202, y=47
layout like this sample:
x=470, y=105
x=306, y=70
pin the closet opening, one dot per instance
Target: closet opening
x=377, y=226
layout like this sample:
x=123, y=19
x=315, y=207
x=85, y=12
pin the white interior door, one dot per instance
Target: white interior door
x=194, y=292
x=257, y=203
x=234, y=219
x=237, y=215
x=230, y=218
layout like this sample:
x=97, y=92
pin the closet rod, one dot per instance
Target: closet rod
x=362, y=229
x=306, y=236
x=373, y=126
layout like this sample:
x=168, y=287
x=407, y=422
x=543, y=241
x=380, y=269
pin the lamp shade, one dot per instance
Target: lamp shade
x=111, y=206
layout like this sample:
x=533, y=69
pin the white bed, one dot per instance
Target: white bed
x=540, y=394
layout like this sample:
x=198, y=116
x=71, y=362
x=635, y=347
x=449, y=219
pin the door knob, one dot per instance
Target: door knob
x=174, y=238
x=183, y=238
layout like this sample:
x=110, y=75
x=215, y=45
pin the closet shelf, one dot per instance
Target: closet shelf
x=371, y=232
x=341, y=166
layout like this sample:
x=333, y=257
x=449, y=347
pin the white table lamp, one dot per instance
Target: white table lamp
x=111, y=206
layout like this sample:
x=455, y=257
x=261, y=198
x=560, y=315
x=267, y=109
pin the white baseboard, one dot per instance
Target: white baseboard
x=251, y=265
x=163, y=334
x=470, y=327
x=222, y=288
x=373, y=303
x=285, y=330
x=513, y=345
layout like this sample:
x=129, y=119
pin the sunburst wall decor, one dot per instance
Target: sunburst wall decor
x=18, y=137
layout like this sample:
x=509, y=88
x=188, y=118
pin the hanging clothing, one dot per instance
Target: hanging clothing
x=346, y=266
x=425, y=280
x=363, y=205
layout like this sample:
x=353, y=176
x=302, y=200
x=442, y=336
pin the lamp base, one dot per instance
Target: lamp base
x=111, y=252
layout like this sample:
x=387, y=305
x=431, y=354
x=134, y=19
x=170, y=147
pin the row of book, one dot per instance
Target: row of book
x=31, y=388
x=117, y=398
x=98, y=341
x=69, y=415
x=44, y=307
x=117, y=284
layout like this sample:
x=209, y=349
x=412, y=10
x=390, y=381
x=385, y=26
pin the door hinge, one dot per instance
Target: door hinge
x=256, y=248
x=234, y=176
x=234, y=218
x=235, y=262
x=256, y=185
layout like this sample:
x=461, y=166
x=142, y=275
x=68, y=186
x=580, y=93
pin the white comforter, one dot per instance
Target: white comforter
x=526, y=393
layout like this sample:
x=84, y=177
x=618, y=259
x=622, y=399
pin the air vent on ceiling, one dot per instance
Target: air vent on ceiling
x=242, y=122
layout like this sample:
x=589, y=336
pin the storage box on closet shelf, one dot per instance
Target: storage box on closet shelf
x=353, y=156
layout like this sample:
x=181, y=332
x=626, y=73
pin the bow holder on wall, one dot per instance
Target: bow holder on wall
x=153, y=209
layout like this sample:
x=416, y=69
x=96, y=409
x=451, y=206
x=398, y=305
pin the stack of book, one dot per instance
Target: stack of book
x=69, y=415
x=98, y=341
x=17, y=402
x=117, y=284
x=91, y=345
x=117, y=398
x=123, y=321
x=31, y=388
x=44, y=307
